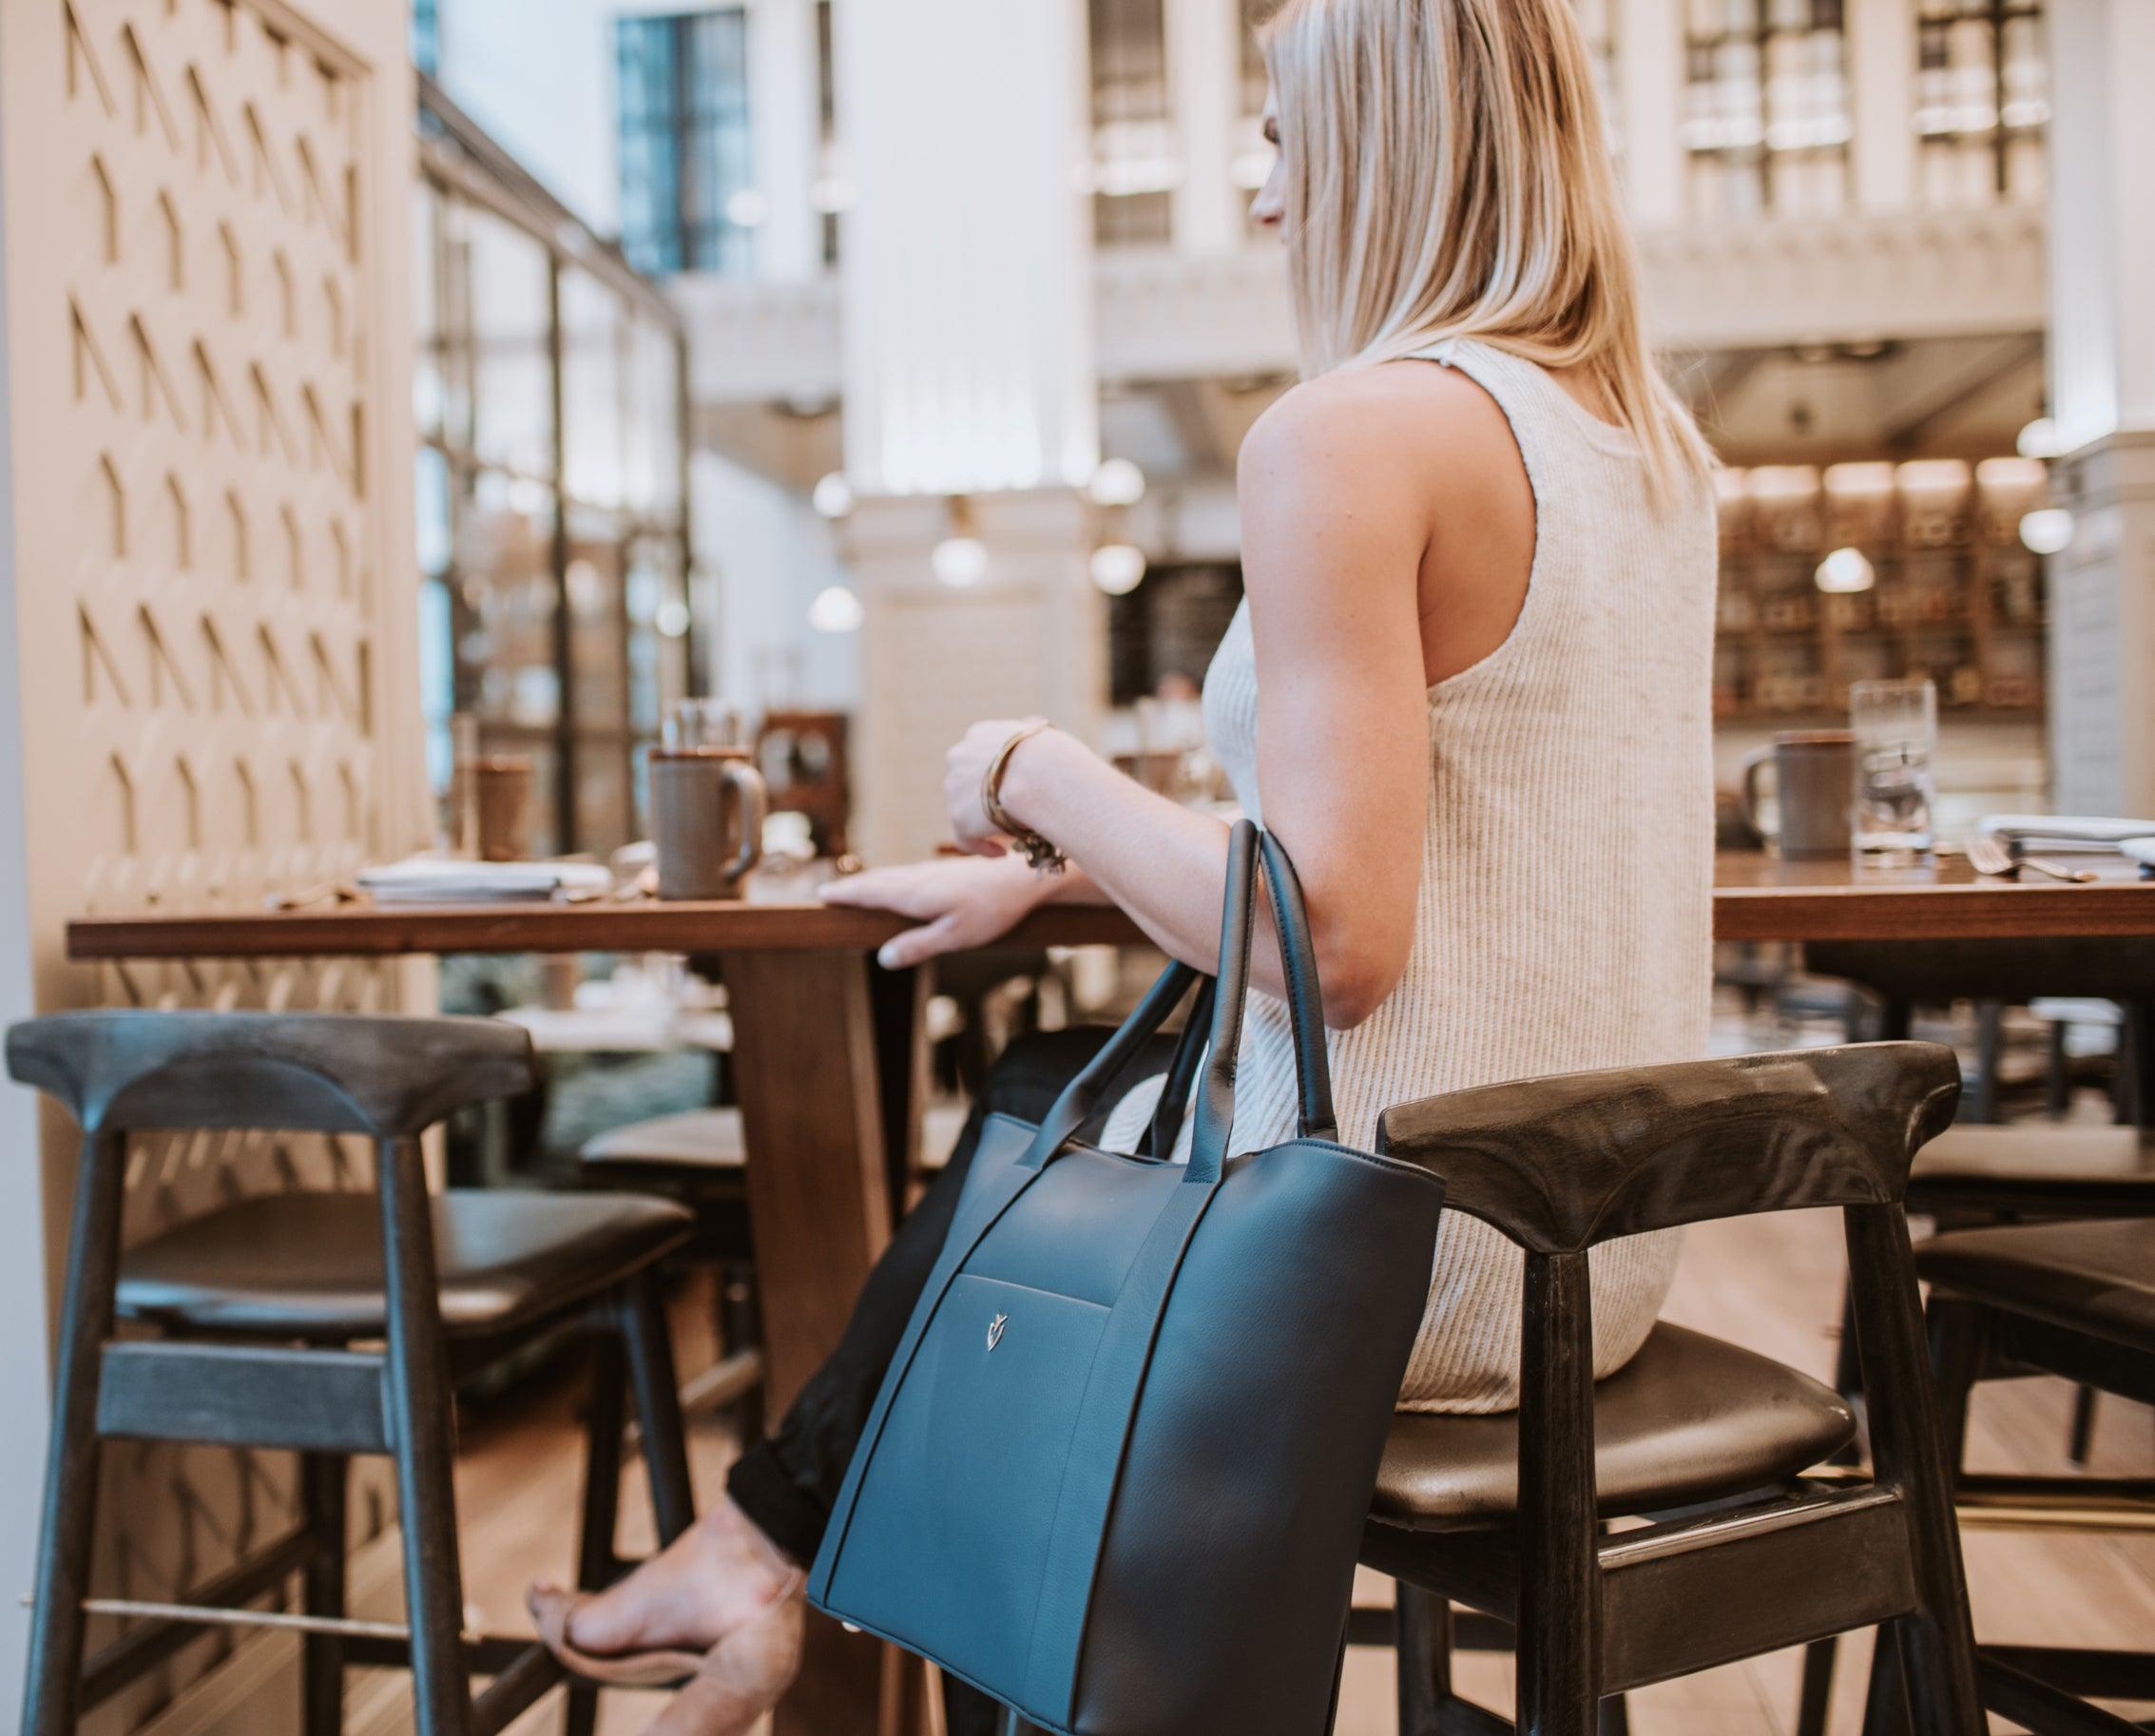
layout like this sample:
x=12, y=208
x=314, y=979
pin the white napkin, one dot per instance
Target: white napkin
x=442, y=880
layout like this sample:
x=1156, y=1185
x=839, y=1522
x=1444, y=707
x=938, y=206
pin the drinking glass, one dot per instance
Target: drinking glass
x=463, y=827
x=692, y=724
x=1896, y=724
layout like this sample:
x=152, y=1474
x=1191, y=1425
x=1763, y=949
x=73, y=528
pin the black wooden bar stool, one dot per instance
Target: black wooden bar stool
x=2033, y=1168
x=2075, y=1300
x=329, y=1324
x=1739, y=1553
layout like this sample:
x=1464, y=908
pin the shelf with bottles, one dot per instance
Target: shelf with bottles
x=1873, y=570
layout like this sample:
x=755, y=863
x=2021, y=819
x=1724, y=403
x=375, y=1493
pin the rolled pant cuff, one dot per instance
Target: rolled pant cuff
x=780, y=1508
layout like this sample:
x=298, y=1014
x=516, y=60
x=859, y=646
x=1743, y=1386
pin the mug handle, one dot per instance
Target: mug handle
x=749, y=781
x=1749, y=790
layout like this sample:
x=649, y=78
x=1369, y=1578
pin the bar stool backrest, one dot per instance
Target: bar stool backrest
x=1563, y=1163
x=383, y=1076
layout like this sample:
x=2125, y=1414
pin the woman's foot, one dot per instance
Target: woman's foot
x=718, y=1577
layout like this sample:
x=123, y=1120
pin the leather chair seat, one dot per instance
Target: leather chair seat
x=2040, y=1167
x=308, y=1265
x=2095, y=1278
x=1688, y=1418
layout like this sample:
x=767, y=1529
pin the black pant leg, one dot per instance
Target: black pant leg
x=788, y=1483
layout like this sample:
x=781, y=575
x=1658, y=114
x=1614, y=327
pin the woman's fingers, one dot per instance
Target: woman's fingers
x=918, y=945
x=898, y=890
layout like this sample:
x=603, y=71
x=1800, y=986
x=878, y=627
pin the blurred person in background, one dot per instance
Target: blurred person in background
x=1468, y=688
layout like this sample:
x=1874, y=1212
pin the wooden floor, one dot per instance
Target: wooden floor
x=1772, y=1283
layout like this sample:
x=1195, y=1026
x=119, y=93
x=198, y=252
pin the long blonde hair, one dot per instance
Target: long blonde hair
x=1447, y=175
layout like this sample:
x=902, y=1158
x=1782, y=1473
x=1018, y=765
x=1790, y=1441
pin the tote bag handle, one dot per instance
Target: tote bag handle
x=1247, y=848
x=1248, y=853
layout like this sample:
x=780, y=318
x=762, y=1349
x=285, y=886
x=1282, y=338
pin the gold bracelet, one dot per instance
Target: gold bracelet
x=1041, y=856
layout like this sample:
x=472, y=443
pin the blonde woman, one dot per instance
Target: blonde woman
x=1468, y=688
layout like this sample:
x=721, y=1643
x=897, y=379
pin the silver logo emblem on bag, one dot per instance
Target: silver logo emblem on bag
x=995, y=1330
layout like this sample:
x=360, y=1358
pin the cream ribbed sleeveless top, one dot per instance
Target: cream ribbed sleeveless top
x=1564, y=914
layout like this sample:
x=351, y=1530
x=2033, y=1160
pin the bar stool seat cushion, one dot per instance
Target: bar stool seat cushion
x=1688, y=1418
x=2096, y=1278
x=308, y=1265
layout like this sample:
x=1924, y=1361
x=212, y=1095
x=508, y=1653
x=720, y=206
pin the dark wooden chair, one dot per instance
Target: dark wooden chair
x=2075, y=1300
x=328, y=1325
x=1740, y=1552
x=1907, y=974
x=2033, y=1169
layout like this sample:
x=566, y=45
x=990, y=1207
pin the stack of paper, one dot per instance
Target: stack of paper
x=442, y=880
x=2065, y=831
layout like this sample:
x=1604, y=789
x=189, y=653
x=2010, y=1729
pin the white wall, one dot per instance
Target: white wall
x=751, y=600
x=539, y=76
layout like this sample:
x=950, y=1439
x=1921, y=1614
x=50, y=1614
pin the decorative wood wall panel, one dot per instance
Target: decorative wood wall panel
x=214, y=589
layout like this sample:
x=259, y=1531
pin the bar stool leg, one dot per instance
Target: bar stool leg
x=1885, y=1707
x=650, y=1345
x=2082, y=1440
x=66, y=1528
x=323, y=1489
x=1815, y=1699
x=419, y=1406
x=1422, y=1622
x=1990, y=1048
x=595, y=1561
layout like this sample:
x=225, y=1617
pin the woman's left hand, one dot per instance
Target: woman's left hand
x=965, y=767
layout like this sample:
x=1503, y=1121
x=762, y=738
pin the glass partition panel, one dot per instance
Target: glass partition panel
x=598, y=623
x=605, y=815
x=504, y=566
x=651, y=418
x=658, y=631
x=510, y=338
x=593, y=339
x=552, y=549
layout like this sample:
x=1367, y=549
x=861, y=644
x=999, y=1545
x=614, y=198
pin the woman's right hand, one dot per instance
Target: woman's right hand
x=959, y=901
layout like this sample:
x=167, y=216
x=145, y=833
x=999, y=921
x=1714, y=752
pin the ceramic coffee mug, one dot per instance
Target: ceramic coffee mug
x=706, y=840
x=1815, y=786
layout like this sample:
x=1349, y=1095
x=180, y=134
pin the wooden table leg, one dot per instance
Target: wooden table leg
x=825, y=1107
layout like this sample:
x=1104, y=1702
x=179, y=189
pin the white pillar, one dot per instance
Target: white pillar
x=2103, y=398
x=1205, y=71
x=786, y=133
x=1649, y=81
x=967, y=253
x=1881, y=102
x=968, y=371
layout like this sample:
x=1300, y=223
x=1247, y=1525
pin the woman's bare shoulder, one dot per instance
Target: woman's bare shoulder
x=1372, y=428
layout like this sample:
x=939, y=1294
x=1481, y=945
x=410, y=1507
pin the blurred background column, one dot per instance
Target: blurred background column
x=971, y=421
x=1205, y=67
x=2102, y=368
x=1649, y=81
x=1882, y=73
x=788, y=137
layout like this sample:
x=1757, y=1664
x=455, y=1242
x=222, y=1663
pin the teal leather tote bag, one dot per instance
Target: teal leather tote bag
x=1117, y=1475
